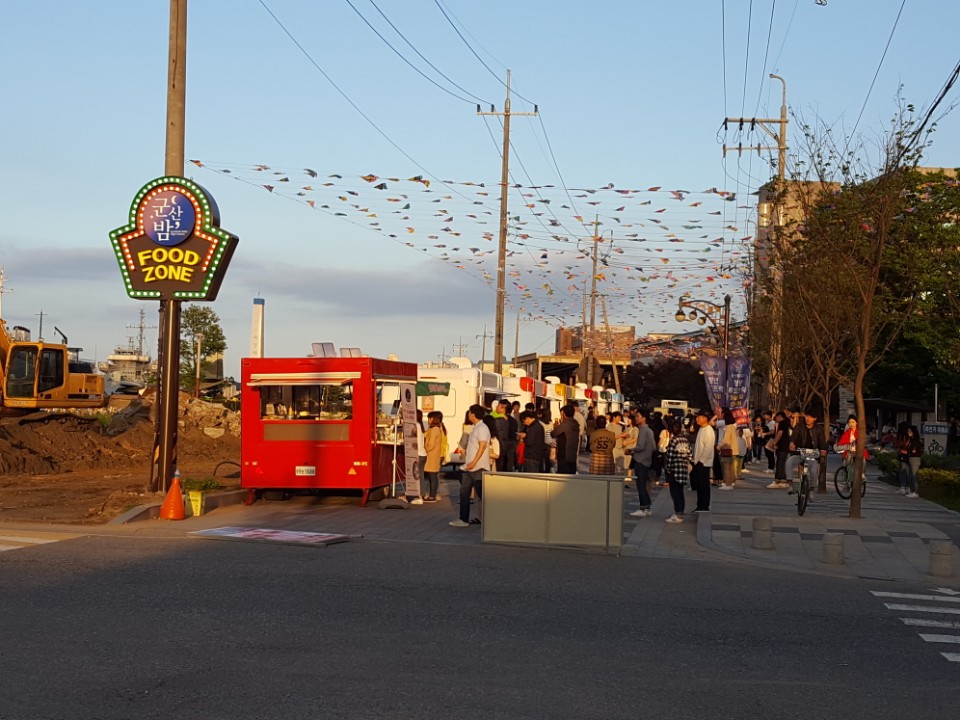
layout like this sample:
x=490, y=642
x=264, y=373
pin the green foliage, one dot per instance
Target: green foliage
x=664, y=378
x=198, y=323
x=103, y=419
x=200, y=484
x=889, y=464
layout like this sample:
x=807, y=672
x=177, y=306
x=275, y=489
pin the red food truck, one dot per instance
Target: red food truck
x=321, y=423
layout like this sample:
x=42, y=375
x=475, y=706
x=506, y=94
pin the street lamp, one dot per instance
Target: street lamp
x=703, y=311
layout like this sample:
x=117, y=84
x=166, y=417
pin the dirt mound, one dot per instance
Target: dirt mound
x=86, y=466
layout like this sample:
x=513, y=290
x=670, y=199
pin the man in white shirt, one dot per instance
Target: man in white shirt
x=476, y=462
x=703, y=451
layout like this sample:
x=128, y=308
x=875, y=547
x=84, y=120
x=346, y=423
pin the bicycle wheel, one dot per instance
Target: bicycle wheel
x=803, y=497
x=841, y=481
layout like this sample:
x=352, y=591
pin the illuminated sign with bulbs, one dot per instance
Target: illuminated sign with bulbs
x=172, y=247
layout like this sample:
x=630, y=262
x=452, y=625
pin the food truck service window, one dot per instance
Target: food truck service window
x=388, y=413
x=321, y=401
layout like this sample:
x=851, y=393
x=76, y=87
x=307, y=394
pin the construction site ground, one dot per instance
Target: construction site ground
x=87, y=467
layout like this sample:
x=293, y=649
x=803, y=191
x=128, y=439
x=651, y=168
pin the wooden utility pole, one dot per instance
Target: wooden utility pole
x=780, y=137
x=502, y=250
x=168, y=361
x=613, y=349
x=591, y=354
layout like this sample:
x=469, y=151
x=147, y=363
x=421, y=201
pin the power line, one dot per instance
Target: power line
x=879, y=65
x=474, y=52
x=356, y=107
x=412, y=47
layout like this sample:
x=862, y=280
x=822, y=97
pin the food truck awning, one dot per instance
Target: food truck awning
x=431, y=387
x=308, y=378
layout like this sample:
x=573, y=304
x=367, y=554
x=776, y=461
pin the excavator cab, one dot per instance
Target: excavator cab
x=39, y=375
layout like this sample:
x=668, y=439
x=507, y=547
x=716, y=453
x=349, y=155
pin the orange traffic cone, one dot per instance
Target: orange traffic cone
x=172, y=508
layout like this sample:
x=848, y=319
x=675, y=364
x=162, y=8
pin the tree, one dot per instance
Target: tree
x=866, y=250
x=199, y=326
x=646, y=383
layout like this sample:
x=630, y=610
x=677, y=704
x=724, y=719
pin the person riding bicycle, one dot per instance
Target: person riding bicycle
x=806, y=436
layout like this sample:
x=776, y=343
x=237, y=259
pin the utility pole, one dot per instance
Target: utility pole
x=502, y=250
x=459, y=347
x=483, y=351
x=516, y=341
x=591, y=359
x=3, y=289
x=780, y=137
x=613, y=349
x=168, y=360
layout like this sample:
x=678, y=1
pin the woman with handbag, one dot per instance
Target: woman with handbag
x=728, y=446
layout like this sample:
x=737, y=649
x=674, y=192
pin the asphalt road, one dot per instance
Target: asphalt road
x=134, y=627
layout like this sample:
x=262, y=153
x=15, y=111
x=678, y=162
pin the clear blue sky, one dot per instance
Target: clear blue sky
x=631, y=94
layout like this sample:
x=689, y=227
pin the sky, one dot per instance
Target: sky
x=366, y=196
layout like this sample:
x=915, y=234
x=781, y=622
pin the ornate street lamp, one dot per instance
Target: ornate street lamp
x=702, y=311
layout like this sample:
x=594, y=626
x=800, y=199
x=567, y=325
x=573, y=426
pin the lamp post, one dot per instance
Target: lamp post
x=703, y=311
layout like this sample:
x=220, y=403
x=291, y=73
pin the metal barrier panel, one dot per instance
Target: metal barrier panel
x=550, y=509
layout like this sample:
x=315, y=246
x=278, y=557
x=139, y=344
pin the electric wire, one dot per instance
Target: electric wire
x=474, y=52
x=879, y=65
x=403, y=57
x=352, y=104
x=413, y=47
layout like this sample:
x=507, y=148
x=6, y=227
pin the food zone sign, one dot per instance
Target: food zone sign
x=173, y=248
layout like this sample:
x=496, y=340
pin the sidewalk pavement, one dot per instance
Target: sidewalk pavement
x=890, y=542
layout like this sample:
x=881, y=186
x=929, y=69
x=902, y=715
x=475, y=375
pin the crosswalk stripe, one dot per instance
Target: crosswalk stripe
x=920, y=622
x=922, y=608
x=952, y=657
x=952, y=639
x=911, y=596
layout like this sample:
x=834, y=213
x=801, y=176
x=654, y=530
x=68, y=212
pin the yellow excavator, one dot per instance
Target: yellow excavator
x=46, y=375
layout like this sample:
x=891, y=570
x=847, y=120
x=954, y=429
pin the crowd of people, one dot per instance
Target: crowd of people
x=694, y=453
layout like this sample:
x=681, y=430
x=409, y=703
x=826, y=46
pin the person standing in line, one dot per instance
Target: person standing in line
x=781, y=441
x=728, y=447
x=642, y=459
x=676, y=466
x=434, y=442
x=910, y=452
x=581, y=424
x=591, y=421
x=657, y=426
x=746, y=434
x=567, y=436
x=506, y=434
x=703, y=451
x=601, y=449
x=550, y=454
x=741, y=453
x=759, y=430
x=770, y=425
x=477, y=461
x=719, y=425
x=628, y=439
x=534, y=442
x=616, y=426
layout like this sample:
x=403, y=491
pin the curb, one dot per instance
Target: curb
x=211, y=501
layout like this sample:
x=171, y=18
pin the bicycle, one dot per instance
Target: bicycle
x=803, y=471
x=844, y=483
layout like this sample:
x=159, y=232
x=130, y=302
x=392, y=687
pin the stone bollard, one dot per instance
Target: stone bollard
x=833, y=548
x=762, y=534
x=941, y=558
